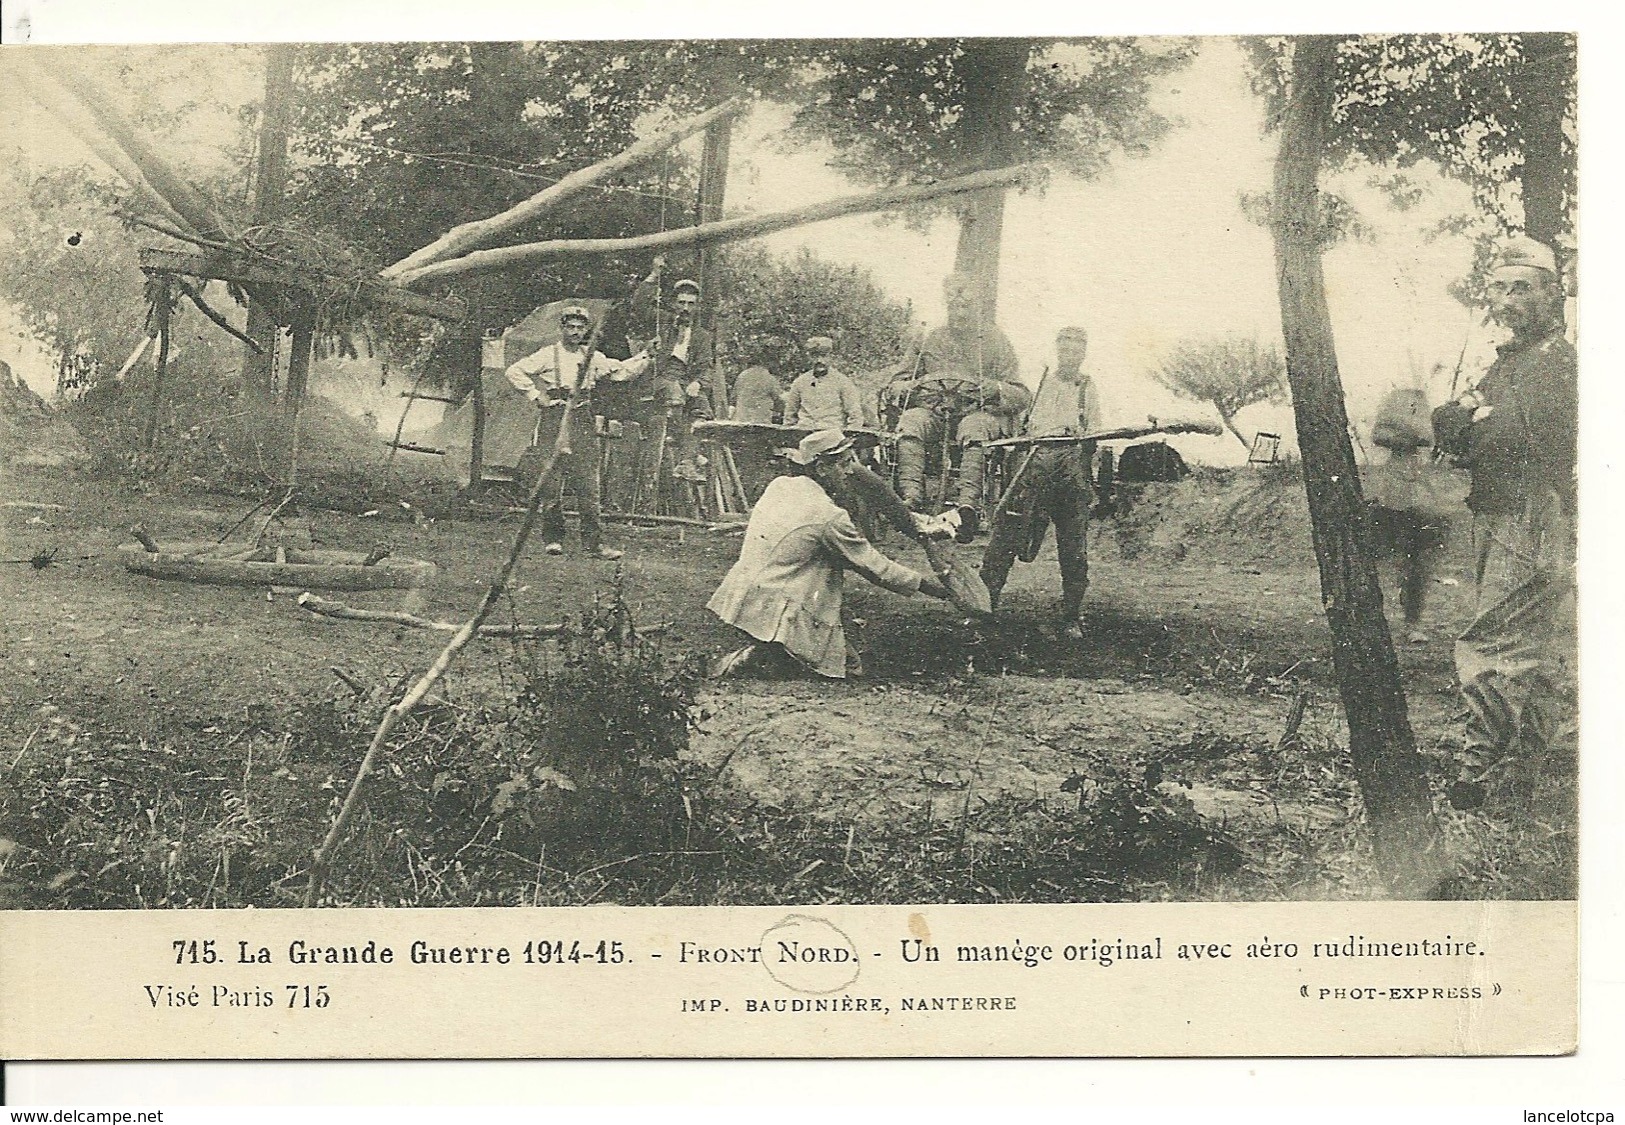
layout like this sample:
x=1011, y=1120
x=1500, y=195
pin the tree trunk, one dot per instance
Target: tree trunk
x=995, y=84
x=1230, y=424
x=1381, y=745
x=270, y=186
x=1540, y=85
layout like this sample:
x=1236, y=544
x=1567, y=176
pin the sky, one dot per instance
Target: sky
x=1153, y=252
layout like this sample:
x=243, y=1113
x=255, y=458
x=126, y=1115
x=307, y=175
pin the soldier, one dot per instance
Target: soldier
x=823, y=397
x=1516, y=432
x=786, y=589
x=547, y=377
x=968, y=348
x=1054, y=485
x=758, y=392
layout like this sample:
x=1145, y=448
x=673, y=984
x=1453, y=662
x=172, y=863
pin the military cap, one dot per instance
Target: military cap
x=1525, y=252
x=575, y=312
x=820, y=345
x=686, y=283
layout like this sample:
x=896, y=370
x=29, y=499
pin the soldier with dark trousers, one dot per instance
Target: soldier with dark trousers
x=969, y=348
x=1516, y=431
x=1054, y=485
x=548, y=377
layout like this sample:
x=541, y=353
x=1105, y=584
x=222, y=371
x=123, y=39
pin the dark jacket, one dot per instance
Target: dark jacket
x=1527, y=443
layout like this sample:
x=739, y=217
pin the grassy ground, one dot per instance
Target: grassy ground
x=178, y=745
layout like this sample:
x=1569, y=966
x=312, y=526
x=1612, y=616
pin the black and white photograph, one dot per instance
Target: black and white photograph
x=809, y=473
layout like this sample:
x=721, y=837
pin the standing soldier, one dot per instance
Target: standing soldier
x=548, y=377
x=823, y=397
x=684, y=356
x=971, y=349
x=1054, y=484
x=1516, y=431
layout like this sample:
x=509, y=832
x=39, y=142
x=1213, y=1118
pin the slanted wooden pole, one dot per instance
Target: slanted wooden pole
x=161, y=321
x=482, y=232
x=103, y=109
x=45, y=90
x=711, y=234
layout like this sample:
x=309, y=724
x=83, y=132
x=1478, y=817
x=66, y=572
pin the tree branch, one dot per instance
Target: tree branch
x=709, y=234
x=482, y=232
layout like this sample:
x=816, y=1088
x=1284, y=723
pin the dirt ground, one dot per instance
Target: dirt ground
x=1194, y=651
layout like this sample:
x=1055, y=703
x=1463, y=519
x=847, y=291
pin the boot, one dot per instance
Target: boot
x=911, y=471
x=972, y=468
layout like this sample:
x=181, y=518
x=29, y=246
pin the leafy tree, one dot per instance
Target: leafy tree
x=1232, y=373
x=763, y=298
x=1495, y=111
x=916, y=108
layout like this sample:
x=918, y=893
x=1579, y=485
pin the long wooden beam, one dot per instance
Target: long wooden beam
x=159, y=176
x=711, y=234
x=247, y=271
x=68, y=110
x=470, y=236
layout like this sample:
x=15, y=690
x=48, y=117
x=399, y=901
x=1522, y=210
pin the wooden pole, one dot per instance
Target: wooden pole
x=713, y=184
x=476, y=452
x=161, y=318
x=181, y=197
x=45, y=90
x=482, y=232
x=270, y=187
x=711, y=234
x=1382, y=748
x=323, y=859
x=299, y=355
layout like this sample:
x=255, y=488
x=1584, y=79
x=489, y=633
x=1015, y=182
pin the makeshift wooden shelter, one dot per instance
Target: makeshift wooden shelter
x=301, y=292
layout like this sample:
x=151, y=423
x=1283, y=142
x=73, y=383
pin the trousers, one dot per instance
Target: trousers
x=920, y=428
x=577, y=471
x=1514, y=660
x=1055, y=490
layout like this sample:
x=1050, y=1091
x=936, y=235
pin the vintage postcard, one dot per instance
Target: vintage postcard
x=790, y=547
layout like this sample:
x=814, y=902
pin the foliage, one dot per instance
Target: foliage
x=397, y=143
x=1459, y=101
x=1231, y=372
x=899, y=108
x=776, y=303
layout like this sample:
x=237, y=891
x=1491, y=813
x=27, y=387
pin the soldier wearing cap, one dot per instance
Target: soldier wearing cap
x=971, y=348
x=786, y=589
x=823, y=397
x=1055, y=485
x=548, y=377
x=685, y=382
x=1516, y=431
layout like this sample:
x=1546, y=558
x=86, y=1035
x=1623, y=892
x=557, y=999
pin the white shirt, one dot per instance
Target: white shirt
x=1063, y=407
x=557, y=367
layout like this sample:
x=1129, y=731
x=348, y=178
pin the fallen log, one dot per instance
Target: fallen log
x=710, y=234
x=327, y=608
x=325, y=570
x=482, y=232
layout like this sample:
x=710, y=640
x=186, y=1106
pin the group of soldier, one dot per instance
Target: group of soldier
x=958, y=389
